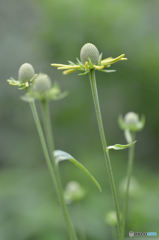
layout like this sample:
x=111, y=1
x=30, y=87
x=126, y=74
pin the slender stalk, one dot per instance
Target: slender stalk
x=42, y=140
x=48, y=132
x=104, y=144
x=126, y=195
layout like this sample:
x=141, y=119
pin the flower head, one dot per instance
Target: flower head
x=42, y=83
x=26, y=76
x=37, y=86
x=42, y=89
x=131, y=122
x=26, y=72
x=90, y=59
x=89, y=51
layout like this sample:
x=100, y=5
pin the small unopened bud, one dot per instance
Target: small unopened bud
x=131, y=122
x=89, y=51
x=131, y=118
x=73, y=192
x=26, y=72
x=111, y=218
x=42, y=83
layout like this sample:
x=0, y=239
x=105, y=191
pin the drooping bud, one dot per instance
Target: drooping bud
x=42, y=83
x=89, y=51
x=26, y=72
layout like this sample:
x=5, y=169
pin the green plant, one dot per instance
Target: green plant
x=130, y=124
x=39, y=87
x=91, y=60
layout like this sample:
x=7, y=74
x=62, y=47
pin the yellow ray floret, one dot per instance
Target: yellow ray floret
x=98, y=67
x=69, y=71
x=107, y=62
x=76, y=67
x=110, y=60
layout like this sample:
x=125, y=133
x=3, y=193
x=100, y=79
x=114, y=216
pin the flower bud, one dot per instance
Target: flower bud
x=131, y=122
x=111, y=218
x=73, y=192
x=131, y=118
x=42, y=83
x=89, y=51
x=26, y=72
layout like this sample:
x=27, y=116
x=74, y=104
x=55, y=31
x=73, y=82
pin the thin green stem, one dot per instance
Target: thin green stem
x=42, y=140
x=104, y=144
x=128, y=180
x=48, y=132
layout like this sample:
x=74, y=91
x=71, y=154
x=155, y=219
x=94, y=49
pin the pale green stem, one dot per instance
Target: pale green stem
x=48, y=131
x=104, y=144
x=43, y=142
x=128, y=180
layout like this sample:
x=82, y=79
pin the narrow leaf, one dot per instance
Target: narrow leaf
x=100, y=58
x=79, y=62
x=120, y=146
x=71, y=63
x=63, y=156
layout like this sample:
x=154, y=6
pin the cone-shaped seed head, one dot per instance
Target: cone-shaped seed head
x=89, y=50
x=26, y=72
x=131, y=118
x=42, y=83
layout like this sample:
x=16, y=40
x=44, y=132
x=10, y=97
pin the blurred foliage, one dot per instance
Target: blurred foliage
x=42, y=32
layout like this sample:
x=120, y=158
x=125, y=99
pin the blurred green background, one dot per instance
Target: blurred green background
x=42, y=32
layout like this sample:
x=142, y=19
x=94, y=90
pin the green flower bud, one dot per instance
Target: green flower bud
x=89, y=50
x=26, y=72
x=73, y=192
x=111, y=218
x=131, y=119
x=42, y=83
x=131, y=122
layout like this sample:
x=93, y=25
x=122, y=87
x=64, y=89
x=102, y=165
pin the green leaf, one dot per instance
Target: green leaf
x=90, y=63
x=100, y=59
x=120, y=146
x=63, y=156
x=71, y=63
x=79, y=62
x=141, y=123
x=55, y=93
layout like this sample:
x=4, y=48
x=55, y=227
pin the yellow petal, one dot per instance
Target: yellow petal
x=98, y=67
x=109, y=61
x=69, y=71
x=86, y=65
x=57, y=65
x=69, y=67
